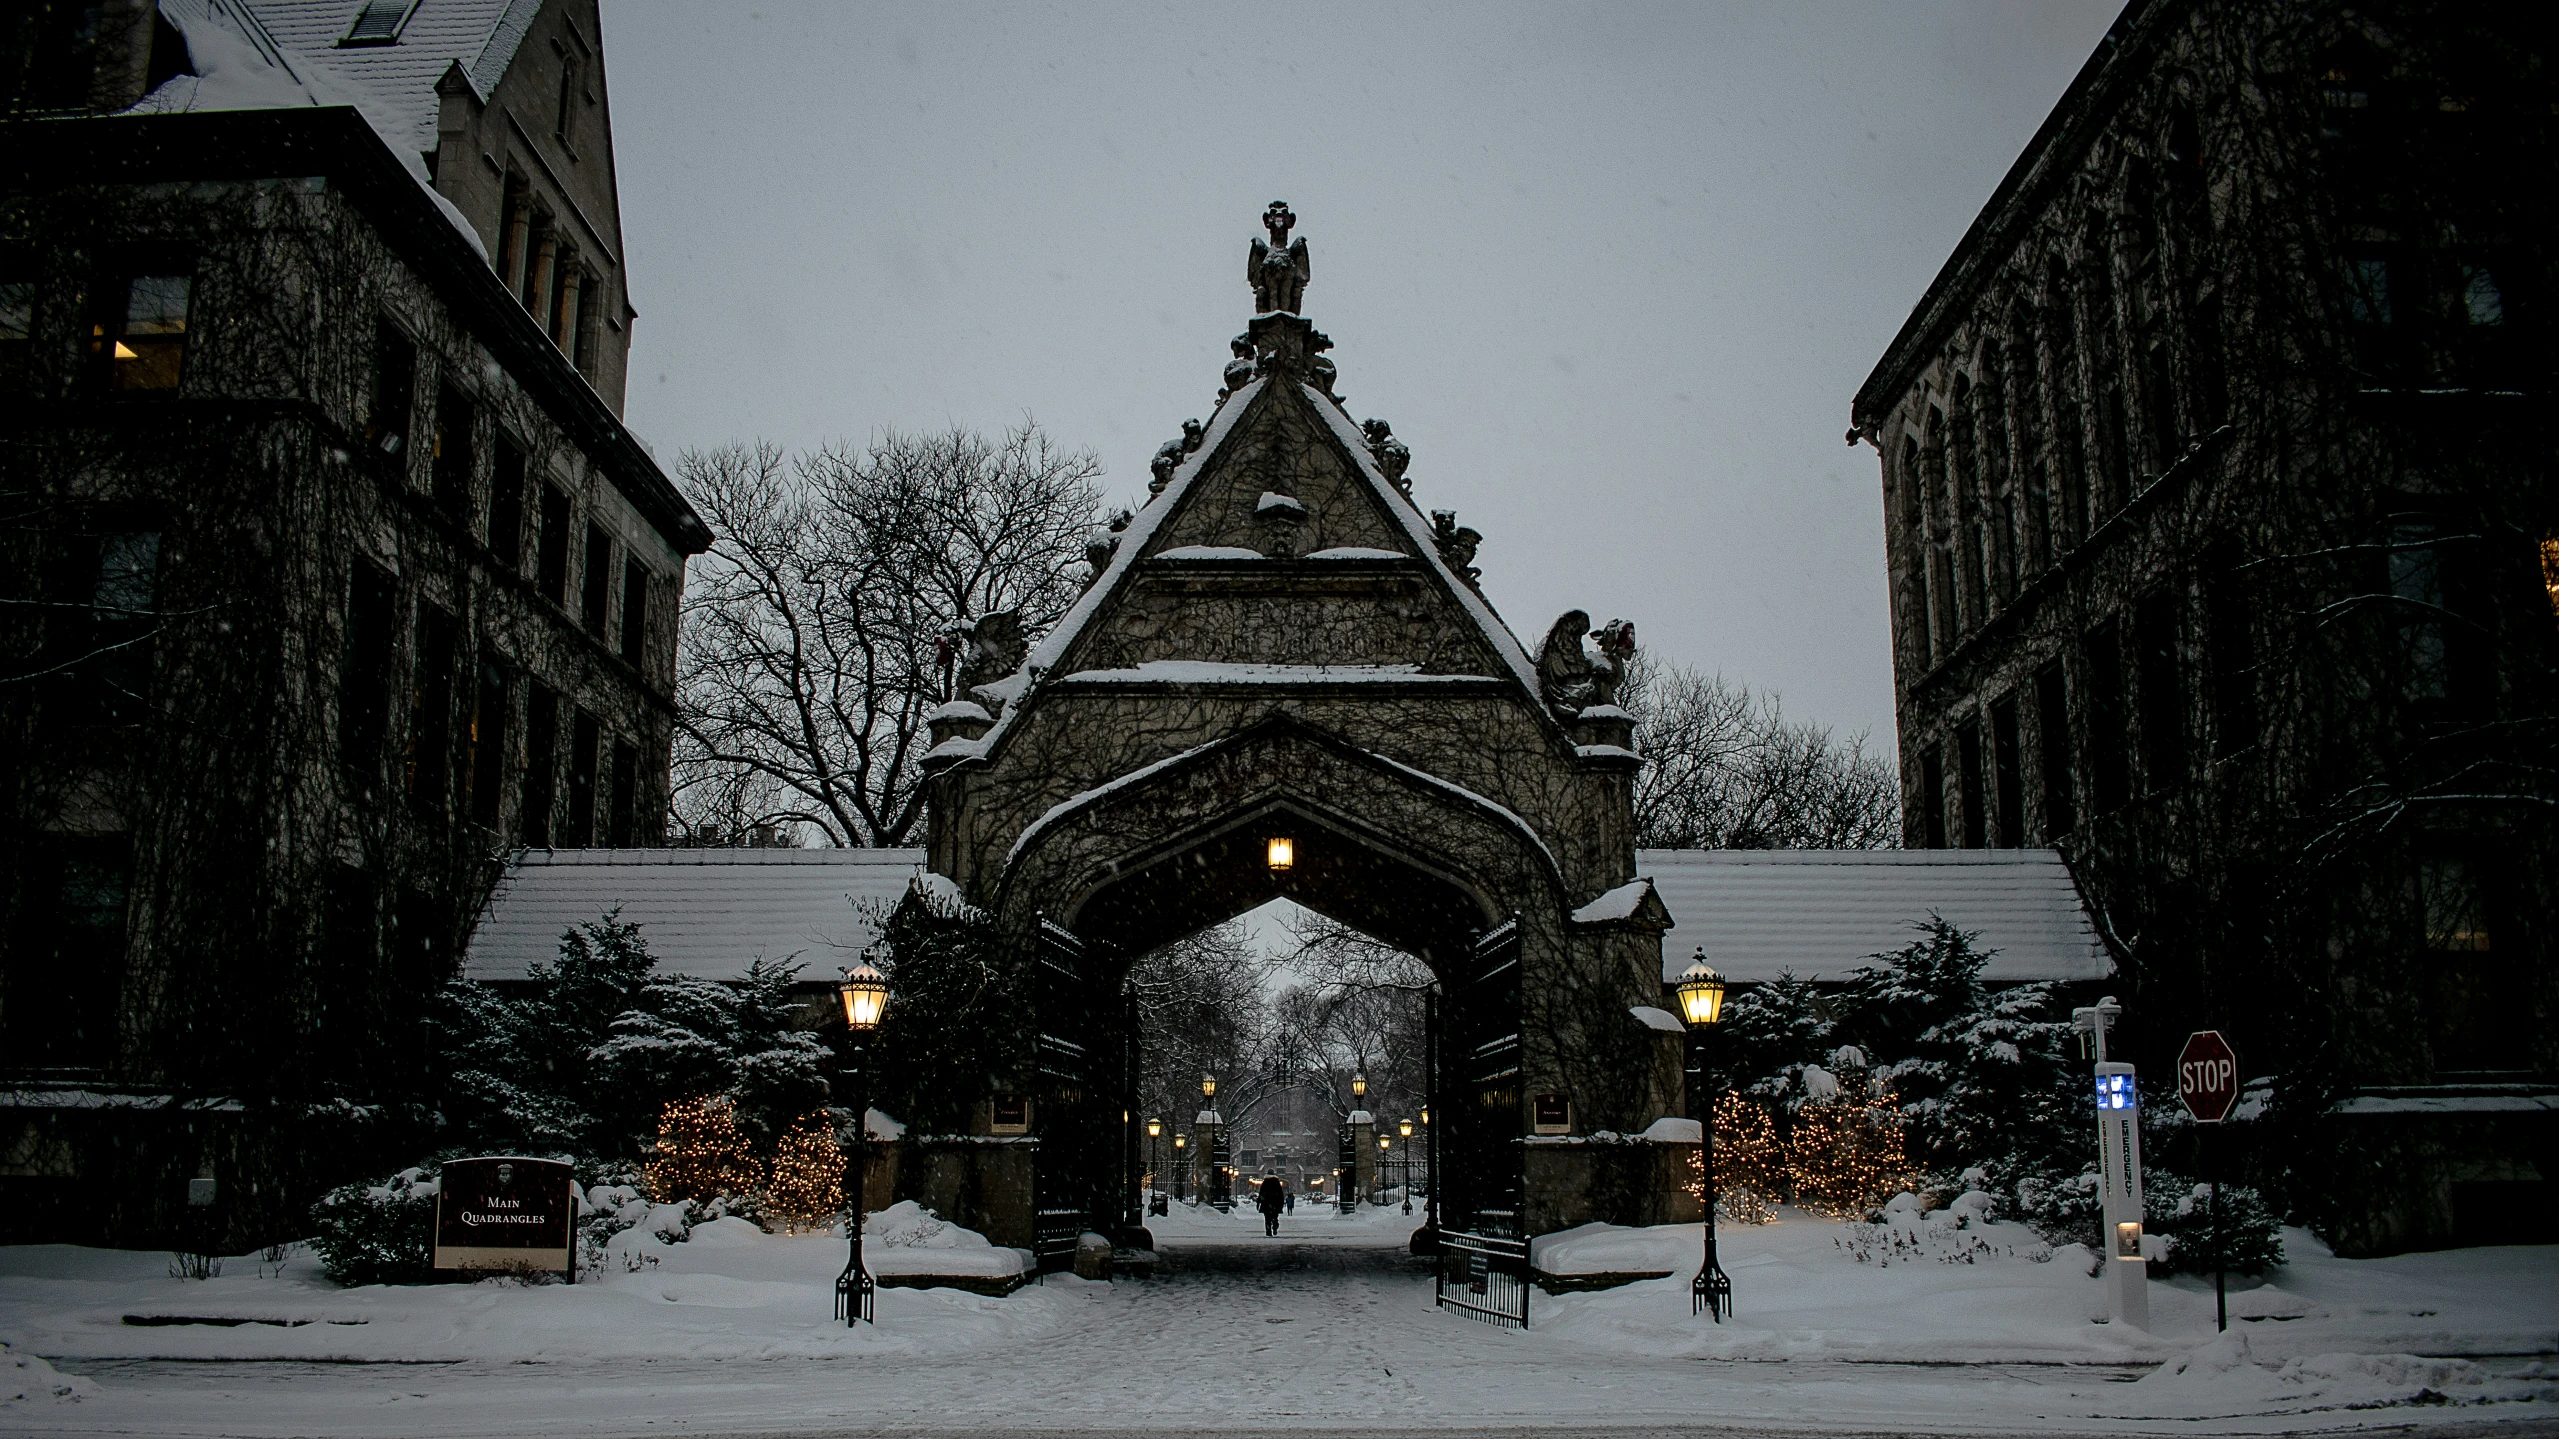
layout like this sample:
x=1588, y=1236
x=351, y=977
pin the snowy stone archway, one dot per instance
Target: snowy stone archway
x=1280, y=644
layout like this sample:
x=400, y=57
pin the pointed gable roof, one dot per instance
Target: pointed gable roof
x=1137, y=542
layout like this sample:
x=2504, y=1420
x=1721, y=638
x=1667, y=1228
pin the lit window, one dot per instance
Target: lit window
x=377, y=23
x=2550, y=571
x=143, y=343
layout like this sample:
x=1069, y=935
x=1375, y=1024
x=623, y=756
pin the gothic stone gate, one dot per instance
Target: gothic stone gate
x=1280, y=644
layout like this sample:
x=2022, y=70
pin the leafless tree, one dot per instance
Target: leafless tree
x=1357, y=1010
x=1201, y=1010
x=816, y=628
x=1728, y=769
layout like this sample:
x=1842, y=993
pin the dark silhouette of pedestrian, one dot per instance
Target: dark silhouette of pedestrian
x=1273, y=1198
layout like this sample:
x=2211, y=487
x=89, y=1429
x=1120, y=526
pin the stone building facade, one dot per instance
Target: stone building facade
x=334, y=572
x=2224, y=555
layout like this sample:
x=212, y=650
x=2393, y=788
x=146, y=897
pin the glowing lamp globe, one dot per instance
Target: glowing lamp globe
x=866, y=997
x=1359, y=1086
x=1404, y=1127
x=1154, y=1128
x=1208, y=1086
x=1701, y=994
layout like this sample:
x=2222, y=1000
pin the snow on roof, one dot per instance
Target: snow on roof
x=1824, y=912
x=706, y=913
x=1616, y=904
x=1218, y=672
x=394, y=85
x=1418, y=530
x=284, y=55
x=1210, y=552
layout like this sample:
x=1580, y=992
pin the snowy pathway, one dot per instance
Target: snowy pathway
x=1328, y=1330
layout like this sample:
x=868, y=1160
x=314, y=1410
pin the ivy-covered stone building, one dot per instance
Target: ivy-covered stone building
x=2224, y=555
x=332, y=571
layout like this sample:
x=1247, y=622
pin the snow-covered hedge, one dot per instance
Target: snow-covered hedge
x=2248, y=1234
x=378, y=1233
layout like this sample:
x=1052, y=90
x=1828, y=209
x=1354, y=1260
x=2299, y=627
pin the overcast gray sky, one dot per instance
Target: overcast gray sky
x=1612, y=271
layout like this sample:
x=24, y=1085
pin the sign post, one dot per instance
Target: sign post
x=2208, y=1085
x=506, y=1212
x=2119, y=1169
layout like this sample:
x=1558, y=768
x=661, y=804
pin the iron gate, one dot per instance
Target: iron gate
x=1086, y=1052
x=1061, y=1114
x=1483, y=1249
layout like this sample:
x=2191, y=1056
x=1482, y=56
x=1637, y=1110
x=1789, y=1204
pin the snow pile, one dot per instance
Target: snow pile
x=1209, y=552
x=1358, y=552
x=731, y=1291
x=2227, y=1373
x=1616, y=1249
x=908, y=1225
x=907, y=1238
x=26, y=1379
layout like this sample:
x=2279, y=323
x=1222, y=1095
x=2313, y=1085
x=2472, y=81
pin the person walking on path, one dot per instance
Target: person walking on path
x=1273, y=1198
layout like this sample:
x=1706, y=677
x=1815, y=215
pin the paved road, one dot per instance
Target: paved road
x=1316, y=1339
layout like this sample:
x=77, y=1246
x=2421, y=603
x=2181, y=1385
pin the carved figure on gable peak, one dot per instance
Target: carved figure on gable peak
x=1563, y=670
x=1616, y=651
x=1170, y=454
x=1389, y=452
x=1278, y=270
x=1101, y=545
x=1456, y=544
x=997, y=647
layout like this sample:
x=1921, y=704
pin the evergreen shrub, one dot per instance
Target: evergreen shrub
x=378, y=1233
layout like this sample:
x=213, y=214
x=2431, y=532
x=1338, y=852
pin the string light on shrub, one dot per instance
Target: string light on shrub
x=807, y=1188
x=701, y=1153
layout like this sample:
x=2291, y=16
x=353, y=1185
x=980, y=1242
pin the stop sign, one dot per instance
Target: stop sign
x=2208, y=1076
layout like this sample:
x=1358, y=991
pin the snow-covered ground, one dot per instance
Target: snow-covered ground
x=1328, y=1327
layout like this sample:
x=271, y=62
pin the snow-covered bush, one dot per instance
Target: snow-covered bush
x=1981, y=1075
x=378, y=1233
x=599, y=1044
x=2174, y=1209
x=2247, y=1233
x=952, y=1024
x=2063, y=1210
x=908, y=1225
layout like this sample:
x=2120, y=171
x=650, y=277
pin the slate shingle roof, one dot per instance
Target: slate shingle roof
x=398, y=81
x=1822, y=912
x=706, y=913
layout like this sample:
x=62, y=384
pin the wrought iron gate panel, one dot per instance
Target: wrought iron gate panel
x=1483, y=1246
x=1063, y=1064
x=1132, y=1176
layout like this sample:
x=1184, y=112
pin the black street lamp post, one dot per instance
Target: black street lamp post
x=1701, y=1005
x=1154, y=1162
x=1404, y=1127
x=866, y=997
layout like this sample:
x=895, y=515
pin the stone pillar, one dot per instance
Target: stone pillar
x=1362, y=1180
x=1208, y=1156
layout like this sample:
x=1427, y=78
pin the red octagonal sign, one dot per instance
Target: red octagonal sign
x=2208, y=1076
